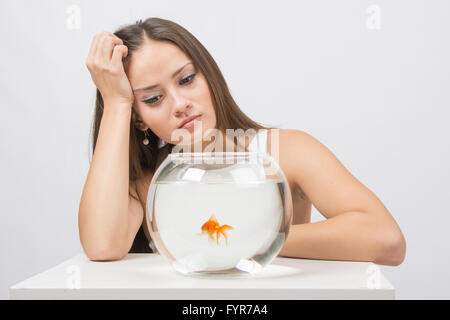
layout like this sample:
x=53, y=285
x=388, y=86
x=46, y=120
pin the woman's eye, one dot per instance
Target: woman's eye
x=183, y=81
x=151, y=100
x=187, y=79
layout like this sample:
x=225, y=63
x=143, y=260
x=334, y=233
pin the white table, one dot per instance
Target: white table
x=150, y=276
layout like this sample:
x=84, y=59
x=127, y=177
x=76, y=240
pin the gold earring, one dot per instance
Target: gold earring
x=145, y=141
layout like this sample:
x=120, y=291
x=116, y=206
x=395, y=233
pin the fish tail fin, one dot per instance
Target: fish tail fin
x=221, y=231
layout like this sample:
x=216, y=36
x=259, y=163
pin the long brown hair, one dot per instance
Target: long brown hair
x=228, y=114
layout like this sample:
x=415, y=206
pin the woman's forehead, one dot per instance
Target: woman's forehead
x=156, y=55
x=154, y=61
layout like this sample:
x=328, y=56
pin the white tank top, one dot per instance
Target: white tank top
x=259, y=142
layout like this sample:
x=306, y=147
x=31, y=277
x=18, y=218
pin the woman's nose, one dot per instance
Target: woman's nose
x=180, y=104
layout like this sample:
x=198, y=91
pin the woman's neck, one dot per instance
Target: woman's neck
x=226, y=144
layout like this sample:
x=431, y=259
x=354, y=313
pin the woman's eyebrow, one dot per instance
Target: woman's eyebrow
x=156, y=85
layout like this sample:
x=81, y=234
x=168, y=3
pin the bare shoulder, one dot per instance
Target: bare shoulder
x=289, y=136
x=325, y=180
x=294, y=143
x=304, y=155
x=287, y=146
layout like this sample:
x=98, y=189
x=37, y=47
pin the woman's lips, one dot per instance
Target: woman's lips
x=190, y=124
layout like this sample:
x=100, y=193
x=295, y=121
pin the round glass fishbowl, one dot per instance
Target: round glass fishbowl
x=219, y=214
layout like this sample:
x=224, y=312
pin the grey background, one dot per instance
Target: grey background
x=377, y=98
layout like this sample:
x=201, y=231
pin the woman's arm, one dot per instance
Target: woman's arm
x=108, y=218
x=104, y=219
x=358, y=225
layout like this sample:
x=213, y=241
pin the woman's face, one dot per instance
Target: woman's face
x=168, y=89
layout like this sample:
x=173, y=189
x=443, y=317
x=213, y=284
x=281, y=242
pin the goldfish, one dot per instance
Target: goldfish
x=212, y=227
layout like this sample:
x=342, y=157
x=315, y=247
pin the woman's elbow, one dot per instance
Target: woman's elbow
x=393, y=251
x=103, y=253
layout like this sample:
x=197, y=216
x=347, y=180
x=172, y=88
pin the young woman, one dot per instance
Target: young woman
x=154, y=76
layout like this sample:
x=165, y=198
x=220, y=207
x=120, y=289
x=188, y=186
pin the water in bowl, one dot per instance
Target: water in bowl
x=254, y=211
